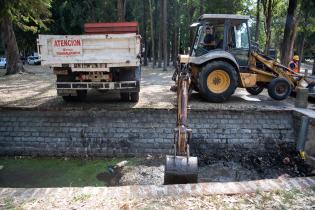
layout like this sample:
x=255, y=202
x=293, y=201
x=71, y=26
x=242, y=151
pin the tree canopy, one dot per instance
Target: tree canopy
x=31, y=17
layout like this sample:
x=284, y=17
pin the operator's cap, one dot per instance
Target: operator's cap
x=296, y=58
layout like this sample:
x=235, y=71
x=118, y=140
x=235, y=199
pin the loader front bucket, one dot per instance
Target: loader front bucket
x=180, y=170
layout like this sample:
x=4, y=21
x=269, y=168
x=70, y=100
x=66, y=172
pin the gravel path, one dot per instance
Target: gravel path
x=36, y=90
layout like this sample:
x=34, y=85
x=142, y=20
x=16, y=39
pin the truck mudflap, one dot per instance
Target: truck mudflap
x=125, y=85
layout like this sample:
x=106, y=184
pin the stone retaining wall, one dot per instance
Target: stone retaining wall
x=139, y=132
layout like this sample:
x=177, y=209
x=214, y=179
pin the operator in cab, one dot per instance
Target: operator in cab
x=209, y=41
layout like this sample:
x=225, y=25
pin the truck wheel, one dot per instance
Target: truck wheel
x=279, y=88
x=69, y=98
x=218, y=81
x=134, y=97
x=124, y=96
x=255, y=90
x=81, y=96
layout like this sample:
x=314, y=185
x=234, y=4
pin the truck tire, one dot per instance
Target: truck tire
x=124, y=97
x=132, y=97
x=279, y=88
x=218, y=81
x=255, y=90
x=81, y=96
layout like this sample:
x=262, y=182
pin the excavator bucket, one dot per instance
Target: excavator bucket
x=180, y=170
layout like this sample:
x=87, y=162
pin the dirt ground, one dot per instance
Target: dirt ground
x=150, y=171
x=36, y=90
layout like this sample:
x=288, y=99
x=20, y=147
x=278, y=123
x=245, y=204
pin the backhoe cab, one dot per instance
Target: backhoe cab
x=224, y=60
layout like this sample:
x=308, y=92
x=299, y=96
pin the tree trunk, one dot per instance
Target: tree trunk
x=292, y=39
x=14, y=63
x=175, y=34
x=268, y=15
x=175, y=46
x=165, y=45
x=301, y=48
x=313, y=70
x=160, y=35
x=145, y=59
x=152, y=34
x=288, y=30
x=257, y=21
x=121, y=10
x=192, y=9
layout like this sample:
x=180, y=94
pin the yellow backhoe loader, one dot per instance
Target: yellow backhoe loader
x=215, y=73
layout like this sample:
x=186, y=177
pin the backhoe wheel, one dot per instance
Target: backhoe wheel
x=279, y=88
x=256, y=90
x=218, y=81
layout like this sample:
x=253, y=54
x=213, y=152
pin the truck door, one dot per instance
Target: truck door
x=239, y=44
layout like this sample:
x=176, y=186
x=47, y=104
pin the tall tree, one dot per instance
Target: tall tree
x=267, y=8
x=257, y=21
x=307, y=26
x=15, y=64
x=160, y=35
x=165, y=45
x=176, y=7
x=121, y=10
x=152, y=34
x=26, y=14
x=289, y=33
x=145, y=57
x=191, y=10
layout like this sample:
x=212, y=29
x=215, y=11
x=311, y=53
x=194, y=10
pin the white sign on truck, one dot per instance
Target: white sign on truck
x=67, y=47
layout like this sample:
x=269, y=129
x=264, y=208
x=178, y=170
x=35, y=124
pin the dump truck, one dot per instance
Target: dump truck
x=106, y=58
x=215, y=70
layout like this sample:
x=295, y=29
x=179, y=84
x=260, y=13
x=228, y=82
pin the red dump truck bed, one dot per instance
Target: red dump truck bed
x=111, y=28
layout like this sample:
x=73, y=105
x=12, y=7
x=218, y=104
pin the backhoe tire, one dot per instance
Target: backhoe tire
x=279, y=89
x=255, y=90
x=217, y=81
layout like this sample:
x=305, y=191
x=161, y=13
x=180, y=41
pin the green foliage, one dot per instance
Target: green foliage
x=69, y=16
x=307, y=25
x=29, y=15
x=278, y=22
